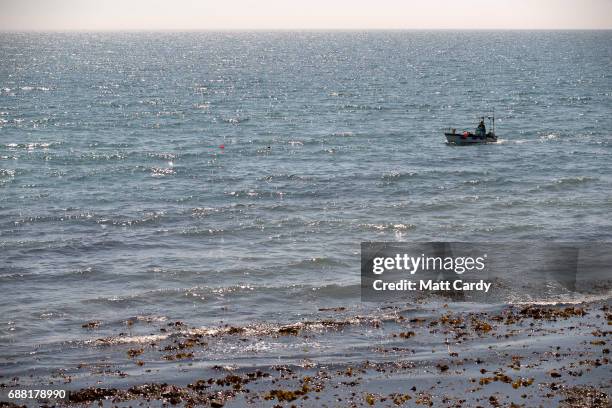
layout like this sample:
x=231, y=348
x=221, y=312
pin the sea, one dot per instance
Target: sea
x=220, y=180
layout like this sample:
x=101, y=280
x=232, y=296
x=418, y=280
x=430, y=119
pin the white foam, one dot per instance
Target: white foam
x=128, y=339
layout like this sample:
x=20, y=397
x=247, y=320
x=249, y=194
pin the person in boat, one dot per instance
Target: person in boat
x=481, y=130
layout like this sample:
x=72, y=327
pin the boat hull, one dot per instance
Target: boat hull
x=460, y=139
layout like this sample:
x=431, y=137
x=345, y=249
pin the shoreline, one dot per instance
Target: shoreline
x=519, y=355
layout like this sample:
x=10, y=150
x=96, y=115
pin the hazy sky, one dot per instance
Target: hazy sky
x=296, y=14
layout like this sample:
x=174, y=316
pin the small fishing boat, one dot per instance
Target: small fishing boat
x=479, y=136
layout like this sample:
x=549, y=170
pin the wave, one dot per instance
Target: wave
x=342, y=134
x=202, y=212
x=128, y=340
x=397, y=175
x=148, y=218
x=253, y=330
x=564, y=183
x=88, y=216
x=78, y=246
x=196, y=232
x=287, y=177
x=340, y=93
x=162, y=171
x=549, y=137
x=341, y=318
x=7, y=173
x=235, y=121
x=574, y=180
x=67, y=216
x=388, y=227
x=356, y=107
x=258, y=194
x=213, y=293
x=316, y=263
x=34, y=88
x=574, y=299
x=31, y=145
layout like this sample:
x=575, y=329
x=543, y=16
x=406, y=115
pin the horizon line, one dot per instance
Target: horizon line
x=178, y=30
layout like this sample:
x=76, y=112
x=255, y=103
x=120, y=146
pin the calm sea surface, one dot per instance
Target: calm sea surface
x=117, y=201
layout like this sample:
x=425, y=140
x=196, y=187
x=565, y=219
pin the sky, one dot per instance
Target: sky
x=26, y=15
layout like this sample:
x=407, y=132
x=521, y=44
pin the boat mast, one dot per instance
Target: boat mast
x=492, y=121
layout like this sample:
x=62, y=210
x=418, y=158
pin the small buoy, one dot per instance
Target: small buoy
x=222, y=146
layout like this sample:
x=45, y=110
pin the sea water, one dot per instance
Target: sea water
x=229, y=178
